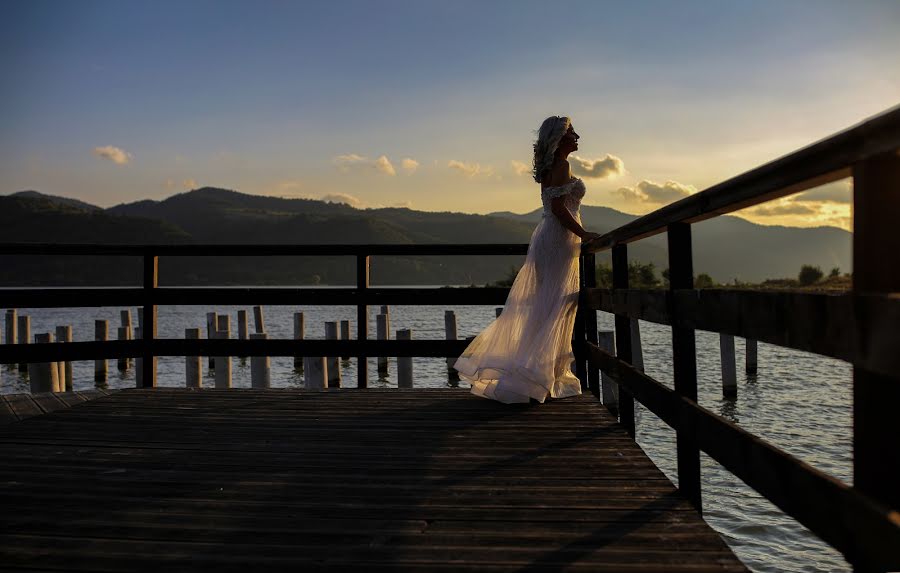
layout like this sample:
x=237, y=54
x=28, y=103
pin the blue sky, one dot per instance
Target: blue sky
x=432, y=104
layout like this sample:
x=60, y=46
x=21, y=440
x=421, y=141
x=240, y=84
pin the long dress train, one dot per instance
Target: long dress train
x=527, y=351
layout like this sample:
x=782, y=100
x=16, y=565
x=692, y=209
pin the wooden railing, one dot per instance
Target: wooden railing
x=862, y=521
x=862, y=327
x=151, y=295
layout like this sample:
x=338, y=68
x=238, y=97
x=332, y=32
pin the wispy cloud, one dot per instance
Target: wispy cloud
x=782, y=208
x=409, y=165
x=353, y=161
x=190, y=184
x=520, y=168
x=470, y=169
x=651, y=192
x=838, y=192
x=609, y=166
x=115, y=154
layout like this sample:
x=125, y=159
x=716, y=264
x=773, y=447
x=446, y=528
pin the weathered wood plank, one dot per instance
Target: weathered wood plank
x=367, y=480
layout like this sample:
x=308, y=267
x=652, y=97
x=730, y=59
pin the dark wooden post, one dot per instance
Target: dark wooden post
x=876, y=242
x=362, y=318
x=684, y=362
x=148, y=328
x=578, y=333
x=590, y=319
x=623, y=335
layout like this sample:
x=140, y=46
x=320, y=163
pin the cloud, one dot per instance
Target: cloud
x=609, y=166
x=344, y=198
x=409, y=165
x=470, y=169
x=651, y=192
x=837, y=192
x=189, y=184
x=353, y=161
x=520, y=168
x=115, y=154
x=782, y=208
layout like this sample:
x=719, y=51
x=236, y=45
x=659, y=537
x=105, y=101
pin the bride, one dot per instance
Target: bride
x=526, y=353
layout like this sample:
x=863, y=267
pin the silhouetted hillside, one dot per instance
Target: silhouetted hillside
x=726, y=247
x=730, y=247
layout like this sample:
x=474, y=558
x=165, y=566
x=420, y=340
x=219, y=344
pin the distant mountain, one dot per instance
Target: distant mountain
x=730, y=247
x=725, y=247
x=57, y=199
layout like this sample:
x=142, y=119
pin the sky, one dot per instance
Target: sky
x=434, y=105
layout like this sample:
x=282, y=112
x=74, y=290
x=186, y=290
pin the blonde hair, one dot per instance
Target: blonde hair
x=548, y=136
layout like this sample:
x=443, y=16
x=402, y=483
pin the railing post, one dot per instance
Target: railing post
x=362, y=318
x=623, y=335
x=578, y=338
x=876, y=242
x=590, y=319
x=684, y=362
x=148, y=328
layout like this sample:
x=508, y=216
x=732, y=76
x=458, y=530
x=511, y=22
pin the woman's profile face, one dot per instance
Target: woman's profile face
x=569, y=141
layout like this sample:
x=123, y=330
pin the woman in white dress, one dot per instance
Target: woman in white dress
x=526, y=353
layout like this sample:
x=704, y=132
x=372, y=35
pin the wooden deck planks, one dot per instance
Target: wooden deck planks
x=380, y=480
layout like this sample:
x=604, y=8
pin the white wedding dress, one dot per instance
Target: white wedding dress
x=527, y=351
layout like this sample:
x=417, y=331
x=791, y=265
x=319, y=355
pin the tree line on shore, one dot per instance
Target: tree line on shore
x=644, y=275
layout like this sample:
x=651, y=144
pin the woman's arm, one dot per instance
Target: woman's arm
x=558, y=206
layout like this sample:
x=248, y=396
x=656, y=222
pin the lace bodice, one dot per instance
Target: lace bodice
x=573, y=190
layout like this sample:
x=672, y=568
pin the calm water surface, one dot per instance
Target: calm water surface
x=797, y=401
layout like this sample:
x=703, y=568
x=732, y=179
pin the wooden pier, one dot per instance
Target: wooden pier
x=365, y=480
x=357, y=479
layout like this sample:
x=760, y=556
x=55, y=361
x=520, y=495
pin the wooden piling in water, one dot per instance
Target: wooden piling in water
x=23, y=336
x=609, y=390
x=11, y=326
x=192, y=364
x=381, y=333
x=139, y=361
x=259, y=322
x=334, y=362
x=404, y=363
x=729, y=369
x=212, y=320
x=260, y=366
x=315, y=372
x=242, y=327
x=299, y=334
x=450, y=334
x=345, y=335
x=63, y=335
x=750, y=365
x=386, y=311
x=498, y=311
x=43, y=376
x=637, y=352
x=101, y=334
x=223, y=363
x=123, y=333
x=125, y=317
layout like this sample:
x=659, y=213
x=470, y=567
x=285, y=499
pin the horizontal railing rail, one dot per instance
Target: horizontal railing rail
x=265, y=250
x=95, y=350
x=97, y=297
x=861, y=326
x=845, y=325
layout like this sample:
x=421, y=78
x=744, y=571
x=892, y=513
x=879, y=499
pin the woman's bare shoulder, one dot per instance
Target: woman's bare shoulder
x=559, y=174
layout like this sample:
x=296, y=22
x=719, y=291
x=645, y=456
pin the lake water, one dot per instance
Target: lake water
x=799, y=402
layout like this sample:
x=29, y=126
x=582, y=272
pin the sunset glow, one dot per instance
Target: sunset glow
x=431, y=105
